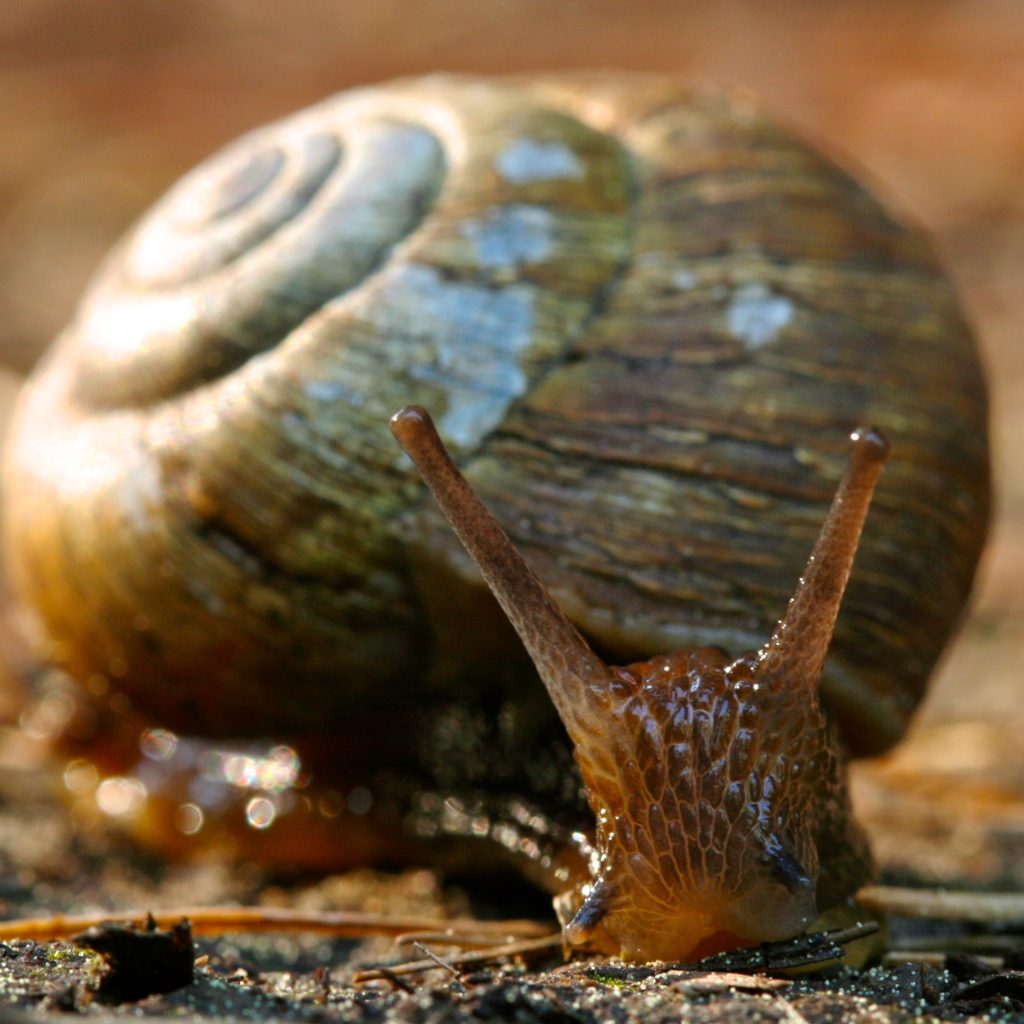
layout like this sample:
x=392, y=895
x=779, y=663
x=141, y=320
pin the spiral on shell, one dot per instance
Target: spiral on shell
x=645, y=317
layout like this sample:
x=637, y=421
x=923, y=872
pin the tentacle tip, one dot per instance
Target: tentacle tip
x=870, y=444
x=410, y=424
x=577, y=934
x=783, y=865
x=591, y=913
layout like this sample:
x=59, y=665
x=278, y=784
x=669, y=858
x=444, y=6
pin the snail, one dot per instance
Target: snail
x=645, y=317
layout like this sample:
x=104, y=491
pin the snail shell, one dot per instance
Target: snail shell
x=646, y=318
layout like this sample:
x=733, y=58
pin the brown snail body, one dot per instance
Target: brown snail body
x=645, y=317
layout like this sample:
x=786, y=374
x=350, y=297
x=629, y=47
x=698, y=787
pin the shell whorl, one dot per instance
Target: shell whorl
x=616, y=294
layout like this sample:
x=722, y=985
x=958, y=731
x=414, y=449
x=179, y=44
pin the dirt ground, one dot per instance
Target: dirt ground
x=106, y=106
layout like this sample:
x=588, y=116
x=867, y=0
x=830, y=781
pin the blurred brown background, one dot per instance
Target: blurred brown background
x=105, y=105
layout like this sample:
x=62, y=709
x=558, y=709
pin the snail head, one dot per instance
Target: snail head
x=716, y=783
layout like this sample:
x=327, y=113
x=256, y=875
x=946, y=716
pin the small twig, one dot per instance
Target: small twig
x=389, y=975
x=709, y=983
x=853, y=932
x=950, y=905
x=431, y=955
x=803, y=951
x=932, y=958
x=322, y=974
x=464, y=940
x=464, y=959
x=218, y=920
x=982, y=944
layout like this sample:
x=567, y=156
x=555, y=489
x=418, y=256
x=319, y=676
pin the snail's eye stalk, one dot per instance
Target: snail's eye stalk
x=574, y=676
x=796, y=652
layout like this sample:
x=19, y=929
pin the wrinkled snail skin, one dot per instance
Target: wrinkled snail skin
x=644, y=317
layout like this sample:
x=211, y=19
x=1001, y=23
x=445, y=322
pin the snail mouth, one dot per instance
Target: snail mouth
x=719, y=942
x=688, y=935
x=692, y=932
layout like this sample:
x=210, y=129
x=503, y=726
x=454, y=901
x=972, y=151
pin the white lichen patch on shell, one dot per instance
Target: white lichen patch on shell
x=756, y=315
x=526, y=161
x=479, y=336
x=509, y=236
x=330, y=391
x=684, y=280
